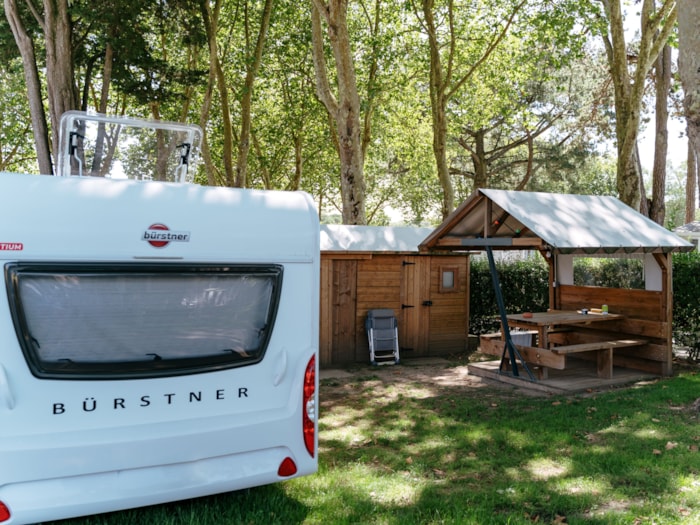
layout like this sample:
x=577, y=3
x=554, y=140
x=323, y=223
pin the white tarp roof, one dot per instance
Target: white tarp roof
x=566, y=223
x=341, y=237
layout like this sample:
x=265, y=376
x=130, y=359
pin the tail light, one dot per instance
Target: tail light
x=309, y=412
x=4, y=512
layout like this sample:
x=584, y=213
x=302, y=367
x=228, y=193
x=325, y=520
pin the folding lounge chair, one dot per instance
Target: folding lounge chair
x=383, y=335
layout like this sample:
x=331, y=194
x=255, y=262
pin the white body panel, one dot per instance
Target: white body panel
x=71, y=447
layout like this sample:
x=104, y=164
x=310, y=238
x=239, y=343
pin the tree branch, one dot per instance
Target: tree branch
x=492, y=46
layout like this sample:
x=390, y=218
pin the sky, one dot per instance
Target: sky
x=677, y=144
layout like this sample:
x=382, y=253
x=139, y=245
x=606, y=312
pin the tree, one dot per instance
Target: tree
x=689, y=67
x=61, y=86
x=486, y=67
x=25, y=43
x=656, y=27
x=657, y=208
x=692, y=178
x=447, y=75
x=252, y=67
x=290, y=146
x=126, y=37
x=210, y=16
x=344, y=107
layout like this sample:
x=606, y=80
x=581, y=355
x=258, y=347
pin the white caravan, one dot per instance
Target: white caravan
x=158, y=340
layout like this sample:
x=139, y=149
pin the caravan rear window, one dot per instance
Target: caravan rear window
x=117, y=321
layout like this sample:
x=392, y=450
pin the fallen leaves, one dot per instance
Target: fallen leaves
x=670, y=445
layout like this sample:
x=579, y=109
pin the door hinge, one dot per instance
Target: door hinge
x=404, y=306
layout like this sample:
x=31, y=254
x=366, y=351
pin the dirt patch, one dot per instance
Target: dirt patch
x=412, y=378
x=422, y=377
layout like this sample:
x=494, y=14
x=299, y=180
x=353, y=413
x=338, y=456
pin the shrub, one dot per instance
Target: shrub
x=686, y=298
x=525, y=287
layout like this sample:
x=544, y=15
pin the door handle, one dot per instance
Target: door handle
x=427, y=303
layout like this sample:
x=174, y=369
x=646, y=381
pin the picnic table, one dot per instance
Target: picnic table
x=547, y=355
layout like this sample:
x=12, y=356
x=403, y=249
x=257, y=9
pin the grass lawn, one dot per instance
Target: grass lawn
x=417, y=451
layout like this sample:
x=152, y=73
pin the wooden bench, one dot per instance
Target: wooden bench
x=603, y=350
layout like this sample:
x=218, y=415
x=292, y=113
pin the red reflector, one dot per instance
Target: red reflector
x=309, y=426
x=4, y=512
x=287, y=467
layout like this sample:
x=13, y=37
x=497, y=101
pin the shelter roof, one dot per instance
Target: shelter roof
x=345, y=238
x=581, y=224
x=688, y=229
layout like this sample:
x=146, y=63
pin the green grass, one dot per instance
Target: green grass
x=428, y=454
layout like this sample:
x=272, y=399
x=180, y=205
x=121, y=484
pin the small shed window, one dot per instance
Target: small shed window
x=449, y=277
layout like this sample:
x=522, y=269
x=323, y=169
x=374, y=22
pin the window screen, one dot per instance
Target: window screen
x=111, y=321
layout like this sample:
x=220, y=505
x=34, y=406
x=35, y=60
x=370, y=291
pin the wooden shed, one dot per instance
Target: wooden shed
x=562, y=227
x=369, y=267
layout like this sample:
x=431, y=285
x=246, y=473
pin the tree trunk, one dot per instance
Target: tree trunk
x=209, y=168
x=61, y=87
x=438, y=106
x=657, y=212
x=689, y=68
x=644, y=204
x=104, y=98
x=345, y=110
x=656, y=26
x=691, y=186
x=247, y=98
x=298, y=162
x=31, y=78
x=216, y=76
x=481, y=175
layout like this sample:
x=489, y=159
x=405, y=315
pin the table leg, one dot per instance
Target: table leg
x=604, y=360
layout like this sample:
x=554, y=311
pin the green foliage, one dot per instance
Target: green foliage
x=541, y=73
x=526, y=130
x=608, y=272
x=16, y=139
x=524, y=284
x=150, y=42
x=686, y=298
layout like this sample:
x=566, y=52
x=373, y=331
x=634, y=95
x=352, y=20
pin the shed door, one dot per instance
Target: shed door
x=414, y=317
x=344, y=300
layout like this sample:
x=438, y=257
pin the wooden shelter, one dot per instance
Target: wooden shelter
x=368, y=267
x=562, y=227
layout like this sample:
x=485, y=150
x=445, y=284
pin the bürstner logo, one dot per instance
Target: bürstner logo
x=159, y=236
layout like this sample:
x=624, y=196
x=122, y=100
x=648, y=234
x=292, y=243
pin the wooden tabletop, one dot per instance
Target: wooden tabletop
x=559, y=317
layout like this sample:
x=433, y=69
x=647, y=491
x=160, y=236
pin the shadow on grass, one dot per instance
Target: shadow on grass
x=423, y=453
x=454, y=456
x=269, y=504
